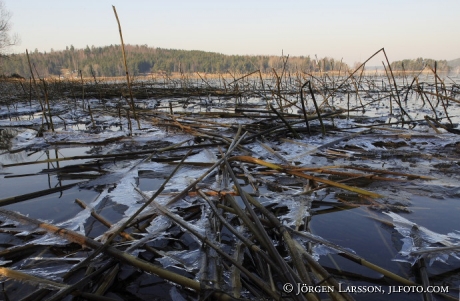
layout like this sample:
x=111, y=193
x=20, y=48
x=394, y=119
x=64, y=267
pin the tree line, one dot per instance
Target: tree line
x=419, y=64
x=107, y=61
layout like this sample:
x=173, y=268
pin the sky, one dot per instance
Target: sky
x=351, y=30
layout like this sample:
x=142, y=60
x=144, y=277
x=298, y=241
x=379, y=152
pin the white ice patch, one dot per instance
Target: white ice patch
x=258, y=150
x=49, y=240
x=3, y=262
x=25, y=139
x=366, y=145
x=21, y=123
x=50, y=273
x=455, y=235
x=406, y=228
x=186, y=259
x=185, y=177
x=322, y=250
x=421, y=242
x=23, y=230
x=205, y=156
x=164, y=136
x=79, y=137
x=78, y=221
x=55, y=259
x=123, y=193
x=159, y=225
x=298, y=207
x=155, y=230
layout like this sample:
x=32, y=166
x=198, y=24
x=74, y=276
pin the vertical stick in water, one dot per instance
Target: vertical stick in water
x=348, y=105
x=130, y=126
x=36, y=89
x=47, y=101
x=391, y=93
x=303, y=108
x=126, y=70
x=82, y=89
x=397, y=99
x=91, y=115
x=323, y=129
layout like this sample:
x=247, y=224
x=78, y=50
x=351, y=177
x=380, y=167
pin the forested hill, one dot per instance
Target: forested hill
x=107, y=61
x=419, y=64
x=454, y=64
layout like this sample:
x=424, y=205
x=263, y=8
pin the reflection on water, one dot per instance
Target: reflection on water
x=29, y=178
x=56, y=207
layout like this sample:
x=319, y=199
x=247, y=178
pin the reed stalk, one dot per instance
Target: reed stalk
x=178, y=220
x=403, y=112
x=296, y=250
x=69, y=289
x=91, y=116
x=36, y=194
x=303, y=175
x=264, y=239
x=82, y=89
x=318, y=112
x=119, y=230
x=291, y=129
x=113, y=252
x=304, y=111
x=132, y=105
x=36, y=90
x=101, y=219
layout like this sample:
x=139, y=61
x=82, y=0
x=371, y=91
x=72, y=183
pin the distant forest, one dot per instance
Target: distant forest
x=419, y=64
x=107, y=61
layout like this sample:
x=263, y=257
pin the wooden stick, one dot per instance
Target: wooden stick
x=123, y=256
x=126, y=70
x=36, y=194
x=205, y=240
x=291, y=129
x=303, y=108
x=317, y=109
x=36, y=89
x=102, y=219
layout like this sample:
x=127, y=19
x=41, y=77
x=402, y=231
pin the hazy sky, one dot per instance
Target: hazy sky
x=351, y=29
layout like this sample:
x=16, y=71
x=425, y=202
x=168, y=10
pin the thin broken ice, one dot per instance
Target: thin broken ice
x=418, y=238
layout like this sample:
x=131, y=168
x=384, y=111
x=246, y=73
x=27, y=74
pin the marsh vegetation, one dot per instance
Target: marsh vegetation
x=228, y=187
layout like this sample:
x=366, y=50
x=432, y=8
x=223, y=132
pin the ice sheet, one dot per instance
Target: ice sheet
x=186, y=259
x=416, y=238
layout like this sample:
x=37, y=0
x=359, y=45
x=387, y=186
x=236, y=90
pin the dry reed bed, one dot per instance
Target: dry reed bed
x=245, y=250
